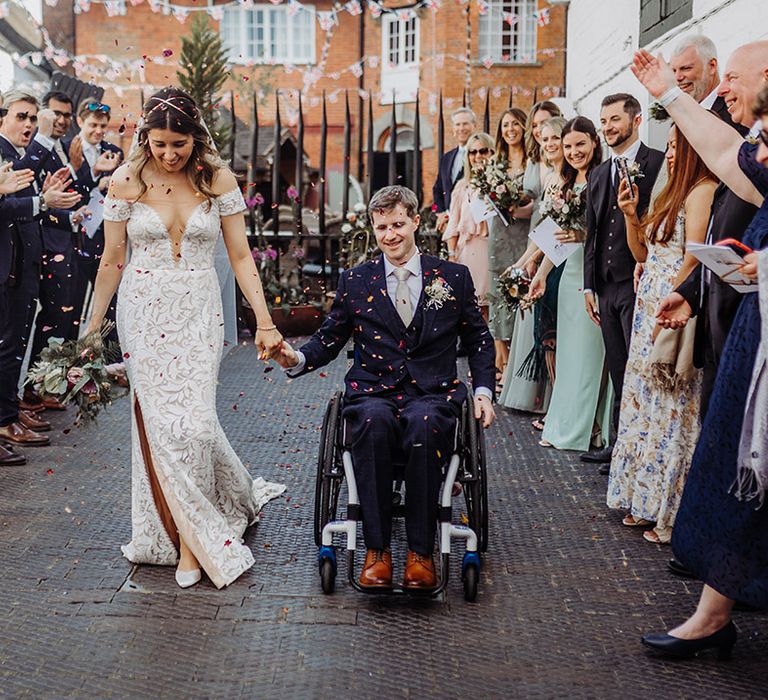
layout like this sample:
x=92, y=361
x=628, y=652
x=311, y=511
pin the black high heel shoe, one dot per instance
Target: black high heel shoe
x=722, y=640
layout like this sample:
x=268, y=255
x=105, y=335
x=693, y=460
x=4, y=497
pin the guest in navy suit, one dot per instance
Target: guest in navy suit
x=405, y=312
x=93, y=120
x=20, y=276
x=450, y=169
x=58, y=285
x=608, y=263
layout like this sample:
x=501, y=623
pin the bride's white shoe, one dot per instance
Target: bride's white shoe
x=185, y=579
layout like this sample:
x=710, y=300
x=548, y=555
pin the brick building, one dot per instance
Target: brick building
x=475, y=47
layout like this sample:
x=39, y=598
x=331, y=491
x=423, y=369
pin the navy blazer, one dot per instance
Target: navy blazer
x=18, y=225
x=601, y=195
x=443, y=187
x=386, y=352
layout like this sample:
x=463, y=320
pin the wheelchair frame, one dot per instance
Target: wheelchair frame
x=466, y=465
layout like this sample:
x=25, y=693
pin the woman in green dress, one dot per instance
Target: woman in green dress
x=579, y=412
x=518, y=391
x=507, y=243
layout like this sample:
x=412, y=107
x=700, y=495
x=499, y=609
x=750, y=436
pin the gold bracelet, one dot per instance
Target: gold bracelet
x=268, y=328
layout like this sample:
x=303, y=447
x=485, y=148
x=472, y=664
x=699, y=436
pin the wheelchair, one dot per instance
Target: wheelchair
x=466, y=465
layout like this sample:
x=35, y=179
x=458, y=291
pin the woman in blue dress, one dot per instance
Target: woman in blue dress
x=721, y=531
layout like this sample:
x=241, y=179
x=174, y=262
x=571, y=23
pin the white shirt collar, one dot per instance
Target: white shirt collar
x=414, y=265
x=709, y=100
x=631, y=153
x=754, y=132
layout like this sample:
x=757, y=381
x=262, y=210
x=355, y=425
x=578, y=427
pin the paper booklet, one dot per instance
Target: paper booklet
x=544, y=237
x=483, y=209
x=725, y=263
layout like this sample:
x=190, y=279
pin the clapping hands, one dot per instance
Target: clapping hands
x=11, y=181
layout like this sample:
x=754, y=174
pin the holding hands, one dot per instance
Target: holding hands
x=286, y=356
x=269, y=342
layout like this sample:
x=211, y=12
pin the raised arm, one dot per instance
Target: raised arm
x=717, y=143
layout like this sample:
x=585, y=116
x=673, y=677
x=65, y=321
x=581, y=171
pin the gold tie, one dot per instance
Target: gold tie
x=403, y=295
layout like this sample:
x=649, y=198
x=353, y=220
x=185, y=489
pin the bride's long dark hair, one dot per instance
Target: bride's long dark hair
x=173, y=109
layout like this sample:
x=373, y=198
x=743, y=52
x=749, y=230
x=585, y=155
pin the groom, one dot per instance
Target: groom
x=405, y=312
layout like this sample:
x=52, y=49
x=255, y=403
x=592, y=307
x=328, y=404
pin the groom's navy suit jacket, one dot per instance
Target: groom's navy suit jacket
x=387, y=354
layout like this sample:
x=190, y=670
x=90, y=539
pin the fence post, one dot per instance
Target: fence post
x=393, y=144
x=299, y=174
x=417, y=188
x=254, y=159
x=440, y=131
x=487, y=114
x=369, y=154
x=233, y=131
x=321, y=207
x=347, y=155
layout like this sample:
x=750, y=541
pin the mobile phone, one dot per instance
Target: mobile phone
x=623, y=166
x=736, y=246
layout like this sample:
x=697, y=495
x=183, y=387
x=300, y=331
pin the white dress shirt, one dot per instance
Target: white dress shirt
x=415, y=284
x=55, y=145
x=709, y=100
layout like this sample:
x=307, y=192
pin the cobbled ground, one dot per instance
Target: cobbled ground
x=565, y=592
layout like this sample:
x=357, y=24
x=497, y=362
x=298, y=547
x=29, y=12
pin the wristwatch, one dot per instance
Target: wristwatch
x=43, y=204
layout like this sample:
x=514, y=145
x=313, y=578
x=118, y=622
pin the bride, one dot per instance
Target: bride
x=192, y=496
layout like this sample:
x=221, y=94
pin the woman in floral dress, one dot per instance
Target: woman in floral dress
x=659, y=423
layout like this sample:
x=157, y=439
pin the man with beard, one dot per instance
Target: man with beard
x=58, y=285
x=608, y=261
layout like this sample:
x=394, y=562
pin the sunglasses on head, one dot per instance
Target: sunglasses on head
x=481, y=151
x=97, y=107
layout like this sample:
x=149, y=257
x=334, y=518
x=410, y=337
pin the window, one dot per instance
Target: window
x=657, y=17
x=401, y=41
x=400, y=58
x=262, y=33
x=508, y=31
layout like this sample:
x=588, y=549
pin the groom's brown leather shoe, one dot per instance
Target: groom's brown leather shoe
x=377, y=570
x=31, y=421
x=419, y=572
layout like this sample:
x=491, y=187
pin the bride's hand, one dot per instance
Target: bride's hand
x=269, y=343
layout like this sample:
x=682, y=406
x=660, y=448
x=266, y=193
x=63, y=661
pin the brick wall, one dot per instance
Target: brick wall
x=142, y=32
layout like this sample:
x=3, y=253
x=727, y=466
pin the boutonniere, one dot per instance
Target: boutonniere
x=438, y=291
x=752, y=140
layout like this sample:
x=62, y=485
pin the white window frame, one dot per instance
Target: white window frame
x=235, y=22
x=391, y=20
x=493, y=30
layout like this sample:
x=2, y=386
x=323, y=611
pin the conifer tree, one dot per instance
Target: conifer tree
x=202, y=72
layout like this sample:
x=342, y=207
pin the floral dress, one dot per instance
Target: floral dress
x=659, y=425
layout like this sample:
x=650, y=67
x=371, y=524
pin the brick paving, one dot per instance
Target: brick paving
x=564, y=596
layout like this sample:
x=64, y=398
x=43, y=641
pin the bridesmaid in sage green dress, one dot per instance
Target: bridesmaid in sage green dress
x=579, y=412
x=507, y=243
x=518, y=392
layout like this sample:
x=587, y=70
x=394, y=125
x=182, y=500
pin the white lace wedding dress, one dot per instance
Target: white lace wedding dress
x=187, y=479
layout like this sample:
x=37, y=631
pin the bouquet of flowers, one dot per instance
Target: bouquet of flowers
x=76, y=370
x=494, y=182
x=515, y=286
x=568, y=210
x=658, y=112
x=358, y=242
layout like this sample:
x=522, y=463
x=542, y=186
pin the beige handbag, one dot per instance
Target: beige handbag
x=672, y=355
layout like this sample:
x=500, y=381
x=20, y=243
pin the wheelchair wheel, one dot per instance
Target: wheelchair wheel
x=476, y=487
x=327, y=576
x=470, y=577
x=328, y=480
